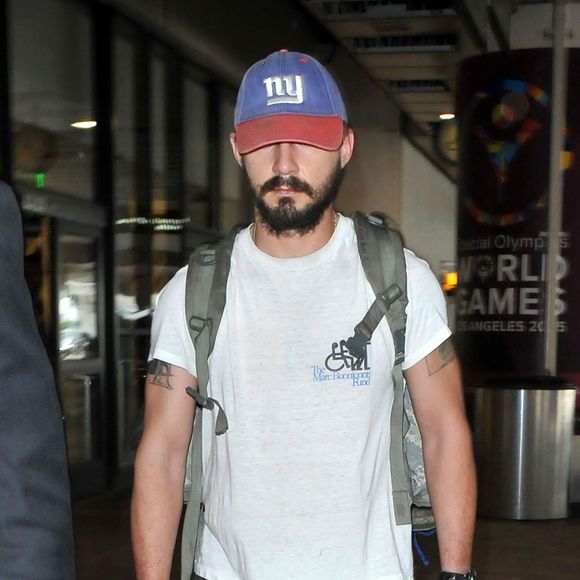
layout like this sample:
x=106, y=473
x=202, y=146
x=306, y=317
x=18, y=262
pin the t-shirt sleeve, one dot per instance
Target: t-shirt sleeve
x=170, y=339
x=426, y=312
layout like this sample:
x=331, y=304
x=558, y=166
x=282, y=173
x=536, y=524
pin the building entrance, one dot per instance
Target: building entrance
x=64, y=264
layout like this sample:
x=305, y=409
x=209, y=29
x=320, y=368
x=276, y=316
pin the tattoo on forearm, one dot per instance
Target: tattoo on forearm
x=161, y=372
x=440, y=357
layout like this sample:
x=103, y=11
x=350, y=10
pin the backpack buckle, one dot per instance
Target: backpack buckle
x=357, y=344
x=377, y=218
x=391, y=295
x=399, y=342
x=197, y=324
x=205, y=255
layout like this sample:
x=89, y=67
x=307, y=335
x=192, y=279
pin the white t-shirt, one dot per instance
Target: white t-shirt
x=299, y=486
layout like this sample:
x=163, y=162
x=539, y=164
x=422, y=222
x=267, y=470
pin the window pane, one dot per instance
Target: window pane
x=161, y=204
x=233, y=201
x=123, y=125
x=132, y=234
x=195, y=148
x=195, y=136
x=51, y=65
x=79, y=395
x=77, y=301
x=167, y=199
x=38, y=270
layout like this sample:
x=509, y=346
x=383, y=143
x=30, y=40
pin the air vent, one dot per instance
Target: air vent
x=341, y=10
x=405, y=44
x=418, y=86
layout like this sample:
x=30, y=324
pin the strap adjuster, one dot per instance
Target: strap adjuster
x=221, y=424
x=399, y=342
x=197, y=324
x=391, y=294
x=363, y=331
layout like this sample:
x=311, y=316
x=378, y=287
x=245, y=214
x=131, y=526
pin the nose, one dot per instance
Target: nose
x=284, y=159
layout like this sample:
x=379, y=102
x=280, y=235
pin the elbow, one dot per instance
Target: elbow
x=160, y=459
x=452, y=435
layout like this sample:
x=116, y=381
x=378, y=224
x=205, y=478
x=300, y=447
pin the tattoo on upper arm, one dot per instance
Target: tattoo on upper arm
x=161, y=372
x=440, y=357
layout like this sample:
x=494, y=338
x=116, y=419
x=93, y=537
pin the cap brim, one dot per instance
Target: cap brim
x=318, y=131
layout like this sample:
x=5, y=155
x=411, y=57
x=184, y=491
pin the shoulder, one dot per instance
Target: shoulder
x=173, y=292
x=418, y=270
x=427, y=324
x=423, y=288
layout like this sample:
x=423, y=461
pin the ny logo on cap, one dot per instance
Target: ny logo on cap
x=284, y=89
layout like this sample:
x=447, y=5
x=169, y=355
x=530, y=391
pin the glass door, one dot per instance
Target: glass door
x=81, y=354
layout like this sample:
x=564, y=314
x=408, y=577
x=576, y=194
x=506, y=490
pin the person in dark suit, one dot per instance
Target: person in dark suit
x=36, y=539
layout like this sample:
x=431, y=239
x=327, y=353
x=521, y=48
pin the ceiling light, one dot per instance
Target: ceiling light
x=447, y=116
x=84, y=124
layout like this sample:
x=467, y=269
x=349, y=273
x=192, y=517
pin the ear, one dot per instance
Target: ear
x=235, y=148
x=347, y=147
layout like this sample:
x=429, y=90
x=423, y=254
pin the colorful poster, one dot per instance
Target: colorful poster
x=504, y=107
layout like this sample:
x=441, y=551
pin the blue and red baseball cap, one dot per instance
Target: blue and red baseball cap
x=289, y=97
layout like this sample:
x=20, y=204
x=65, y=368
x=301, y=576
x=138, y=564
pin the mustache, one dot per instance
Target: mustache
x=291, y=182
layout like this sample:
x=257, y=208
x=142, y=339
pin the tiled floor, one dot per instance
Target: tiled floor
x=504, y=549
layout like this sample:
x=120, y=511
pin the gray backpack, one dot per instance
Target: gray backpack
x=381, y=253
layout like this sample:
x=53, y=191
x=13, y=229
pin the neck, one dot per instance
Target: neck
x=293, y=244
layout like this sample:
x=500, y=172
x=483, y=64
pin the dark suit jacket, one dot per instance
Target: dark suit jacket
x=35, y=511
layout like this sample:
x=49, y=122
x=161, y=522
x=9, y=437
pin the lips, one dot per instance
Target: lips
x=286, y=186
x=287, y=191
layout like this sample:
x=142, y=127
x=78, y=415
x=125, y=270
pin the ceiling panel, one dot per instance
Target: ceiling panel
x=402, y=71
x=393, y=26
x=425, y=59
x=411, y=48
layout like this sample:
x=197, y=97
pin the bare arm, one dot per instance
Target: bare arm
x=160, y=469
x=435, y=385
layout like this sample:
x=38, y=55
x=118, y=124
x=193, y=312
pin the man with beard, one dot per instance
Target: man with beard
x=299, y=486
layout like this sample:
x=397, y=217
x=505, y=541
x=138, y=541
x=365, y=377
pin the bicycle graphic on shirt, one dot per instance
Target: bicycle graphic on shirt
x=340, y=358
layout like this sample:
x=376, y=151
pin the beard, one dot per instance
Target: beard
x=285, y=217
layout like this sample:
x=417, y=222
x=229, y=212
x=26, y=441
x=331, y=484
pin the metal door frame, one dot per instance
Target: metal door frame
x=91, y=477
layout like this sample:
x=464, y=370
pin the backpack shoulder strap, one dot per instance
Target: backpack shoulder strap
x=205, y=298
x=383, y=260
x=381, y=252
